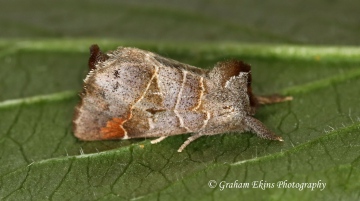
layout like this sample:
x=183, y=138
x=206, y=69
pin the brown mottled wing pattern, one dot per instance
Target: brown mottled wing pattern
x=169, y=105
x=135, y=93
x=110, y=91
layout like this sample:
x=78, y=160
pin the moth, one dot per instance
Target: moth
x=133, y=93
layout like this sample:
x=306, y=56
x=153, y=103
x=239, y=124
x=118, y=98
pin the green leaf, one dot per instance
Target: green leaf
x=43, y=60
x=41, y=159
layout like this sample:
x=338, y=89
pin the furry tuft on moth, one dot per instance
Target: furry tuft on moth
x=133, y=93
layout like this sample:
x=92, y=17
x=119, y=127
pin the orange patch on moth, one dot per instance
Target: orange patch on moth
x=114, y=129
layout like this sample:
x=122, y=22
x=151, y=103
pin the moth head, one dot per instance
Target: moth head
x=224, y=73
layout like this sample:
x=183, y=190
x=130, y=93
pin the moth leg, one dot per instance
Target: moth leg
x=157, y=140
x=260, y=129
x=264, y=100
x=189, y=140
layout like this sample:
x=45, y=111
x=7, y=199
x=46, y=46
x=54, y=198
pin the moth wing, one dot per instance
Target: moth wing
x=110, y=91
x=135, y=93
x=170, y=103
